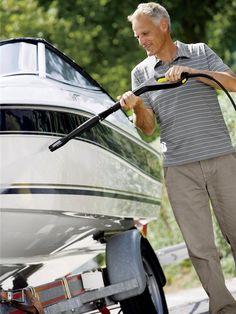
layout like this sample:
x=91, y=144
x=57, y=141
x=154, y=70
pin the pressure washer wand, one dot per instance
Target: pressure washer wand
x=150, y=85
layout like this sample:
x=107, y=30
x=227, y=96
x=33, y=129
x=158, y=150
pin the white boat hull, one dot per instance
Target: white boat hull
x=54, y=203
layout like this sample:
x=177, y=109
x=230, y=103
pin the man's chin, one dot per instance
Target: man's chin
x=149, y=53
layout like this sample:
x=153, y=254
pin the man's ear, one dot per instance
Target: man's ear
x=164, y=26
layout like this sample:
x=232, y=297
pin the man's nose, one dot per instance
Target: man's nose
x=141, y=41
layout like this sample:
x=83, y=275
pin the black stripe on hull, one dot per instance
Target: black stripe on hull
x=82, y=192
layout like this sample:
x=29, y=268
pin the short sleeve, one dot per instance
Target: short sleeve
x=215, y=63
x=137, y=80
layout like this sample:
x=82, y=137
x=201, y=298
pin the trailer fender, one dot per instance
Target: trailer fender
x=124, y=262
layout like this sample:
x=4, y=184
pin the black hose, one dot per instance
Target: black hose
x=143, y=89
x=189, y=75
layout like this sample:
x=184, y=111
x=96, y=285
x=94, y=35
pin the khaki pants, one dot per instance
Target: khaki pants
x=190, y=187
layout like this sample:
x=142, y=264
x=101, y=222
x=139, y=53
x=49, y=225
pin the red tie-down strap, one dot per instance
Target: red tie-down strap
x=28, y=294
x=104, y=310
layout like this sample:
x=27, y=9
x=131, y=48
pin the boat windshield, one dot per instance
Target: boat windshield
x=60, y=70
x=17, y=58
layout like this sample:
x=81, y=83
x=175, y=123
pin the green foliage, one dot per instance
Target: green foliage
x=181, y=275
x=190, y=18
x=97, y=35
x=25, y=19
x=221, y=31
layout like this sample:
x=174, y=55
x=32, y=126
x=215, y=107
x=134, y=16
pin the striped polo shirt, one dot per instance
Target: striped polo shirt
x=192, y=126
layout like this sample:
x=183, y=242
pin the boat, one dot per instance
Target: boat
x=55, y=205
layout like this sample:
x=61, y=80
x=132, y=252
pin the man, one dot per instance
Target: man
x=199, y=159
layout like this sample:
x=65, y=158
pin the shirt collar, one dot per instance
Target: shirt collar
x=182, y=52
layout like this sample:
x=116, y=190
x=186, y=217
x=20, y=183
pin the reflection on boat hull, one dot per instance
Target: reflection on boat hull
x=96, y=183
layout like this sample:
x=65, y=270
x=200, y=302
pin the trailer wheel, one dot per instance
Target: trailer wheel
x=152, y=300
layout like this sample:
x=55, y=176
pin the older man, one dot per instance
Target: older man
x=199, y=159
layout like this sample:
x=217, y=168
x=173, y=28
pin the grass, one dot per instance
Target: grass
x=182, y=275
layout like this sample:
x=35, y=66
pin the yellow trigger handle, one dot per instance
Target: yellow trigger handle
x=164, y=80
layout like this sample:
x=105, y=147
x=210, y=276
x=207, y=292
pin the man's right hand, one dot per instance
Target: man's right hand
x=129, y=101
x=144, y=118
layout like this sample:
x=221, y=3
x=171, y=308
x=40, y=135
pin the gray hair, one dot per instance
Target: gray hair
x=153, y=10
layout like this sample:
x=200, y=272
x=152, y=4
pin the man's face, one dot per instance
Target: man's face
x=149, y=34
